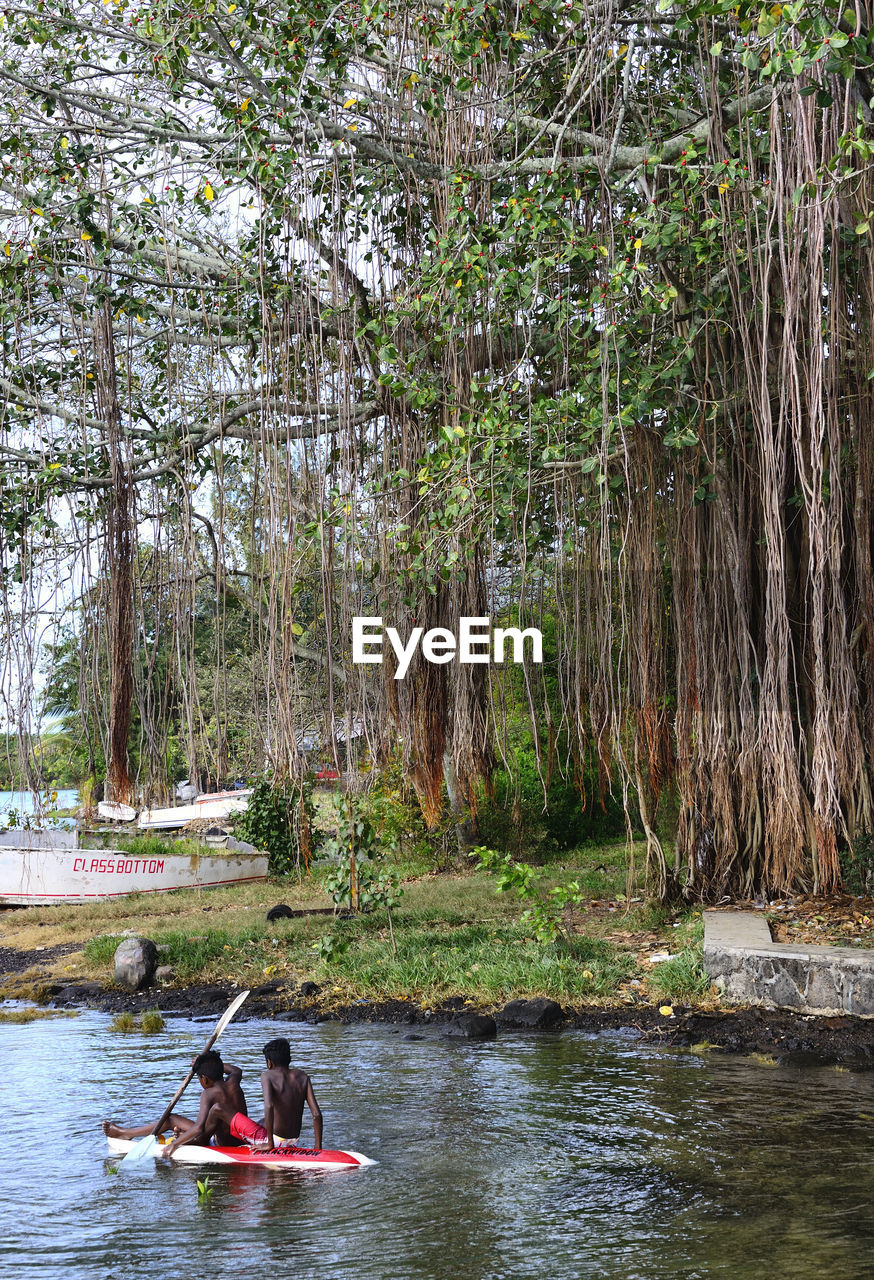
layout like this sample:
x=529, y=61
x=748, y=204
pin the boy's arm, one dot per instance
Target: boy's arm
x=316, y=1113
x=267, y=1090
x=234, y=1074
x=198, y=1130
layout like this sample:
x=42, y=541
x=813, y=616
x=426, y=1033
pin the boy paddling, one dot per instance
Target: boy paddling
x=285, y=1090
x=221, y=1119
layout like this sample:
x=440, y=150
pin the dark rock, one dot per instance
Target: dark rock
x=314, y=1018
x=266, y=988
x=309, y=988
x=78, y=991
x=803, y=1060
x=135, y=962
x=472, y=1026
x=453, y=1003
x=411, y=1035
x=292, y=1015
x=538, y=1015
x=280, y=912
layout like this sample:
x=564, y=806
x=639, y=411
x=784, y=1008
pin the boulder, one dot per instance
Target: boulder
x=537, y=1015
x=309, y=988
x=472, y=1026
x=136, y=960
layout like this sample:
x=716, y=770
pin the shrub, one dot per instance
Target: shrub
x=279, y=818
x=857, y=867
x=519, y=818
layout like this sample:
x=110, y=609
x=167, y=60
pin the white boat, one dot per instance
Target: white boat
x=217, y=805
x=115, y=812
x=43, y=868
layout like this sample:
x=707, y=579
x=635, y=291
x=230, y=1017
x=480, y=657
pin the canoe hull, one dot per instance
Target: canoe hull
x=217, y=806
x=33, y=877
x=292, y=1158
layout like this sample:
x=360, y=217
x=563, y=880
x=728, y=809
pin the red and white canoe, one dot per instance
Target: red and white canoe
x=278, y=1158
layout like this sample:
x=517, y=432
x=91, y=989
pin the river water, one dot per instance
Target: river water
x=23, y=804
x=544, y=1156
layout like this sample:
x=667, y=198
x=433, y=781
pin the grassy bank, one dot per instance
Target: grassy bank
x=453, y=935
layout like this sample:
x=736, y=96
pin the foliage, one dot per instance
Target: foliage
x=390, y=806
x=279, y=817
x=544, y=915
x=683, y=977
x=857, y=866
x=523, y=814
x=360, y=880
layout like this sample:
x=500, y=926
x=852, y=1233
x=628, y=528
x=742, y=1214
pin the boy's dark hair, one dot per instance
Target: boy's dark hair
x=278, y=1051
x=209, y=1065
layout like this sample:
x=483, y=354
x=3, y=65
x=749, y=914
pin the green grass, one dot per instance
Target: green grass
x=125, y=1023
x=486, y=963
x=455, y=935
x=149, y=1022
x=461, y=938
x=33, y=1015
x=142, y=846
x=680, y=978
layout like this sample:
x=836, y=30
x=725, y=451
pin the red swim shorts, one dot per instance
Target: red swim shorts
x=248, y=1130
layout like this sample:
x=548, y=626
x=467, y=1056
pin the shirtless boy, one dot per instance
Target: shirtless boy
x=222, y=1114
x=285, y=1089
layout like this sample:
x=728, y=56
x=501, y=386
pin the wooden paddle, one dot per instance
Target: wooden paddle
x=146, y=1146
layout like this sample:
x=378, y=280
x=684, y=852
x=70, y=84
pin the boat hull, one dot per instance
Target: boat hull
x=217, y=806
x=44, y=876
x=290, y=1158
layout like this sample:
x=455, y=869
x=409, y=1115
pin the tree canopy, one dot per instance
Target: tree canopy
x=547, y=310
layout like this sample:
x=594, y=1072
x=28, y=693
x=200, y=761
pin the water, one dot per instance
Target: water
x=23, y=803
x=559, y=1156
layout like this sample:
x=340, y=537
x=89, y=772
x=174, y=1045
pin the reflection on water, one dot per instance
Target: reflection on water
x=564, y=1155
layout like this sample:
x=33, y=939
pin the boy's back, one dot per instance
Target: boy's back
x=286, y=1089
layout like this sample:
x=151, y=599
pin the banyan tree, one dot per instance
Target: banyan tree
x=556, y=312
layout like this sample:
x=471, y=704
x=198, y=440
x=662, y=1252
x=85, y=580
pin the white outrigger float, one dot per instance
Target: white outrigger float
x=43, y=868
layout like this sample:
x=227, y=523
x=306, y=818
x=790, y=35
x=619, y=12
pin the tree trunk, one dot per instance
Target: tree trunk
x=119, y=563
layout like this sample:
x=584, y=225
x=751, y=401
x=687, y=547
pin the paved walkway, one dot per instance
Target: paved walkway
x=750, y=968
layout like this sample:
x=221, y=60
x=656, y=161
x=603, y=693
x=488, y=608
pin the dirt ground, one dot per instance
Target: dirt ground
x=839, y=921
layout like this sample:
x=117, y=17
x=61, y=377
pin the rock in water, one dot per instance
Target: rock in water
x=136, y=960
x=538, y=1014
x=472, y=1026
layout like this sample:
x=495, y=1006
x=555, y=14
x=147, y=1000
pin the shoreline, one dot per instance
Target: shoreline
x=775, y=1037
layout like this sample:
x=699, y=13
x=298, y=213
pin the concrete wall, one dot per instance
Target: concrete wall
x=749, y=968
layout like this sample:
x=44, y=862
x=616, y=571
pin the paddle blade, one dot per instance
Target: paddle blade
x=141, y=1150
x=227, y=1015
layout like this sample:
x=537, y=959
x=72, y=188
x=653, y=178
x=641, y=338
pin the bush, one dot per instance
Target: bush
x=279, y=818
x=857, y=868
x=518, y=818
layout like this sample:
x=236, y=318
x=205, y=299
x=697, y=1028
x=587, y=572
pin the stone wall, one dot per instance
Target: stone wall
x=749, y=968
